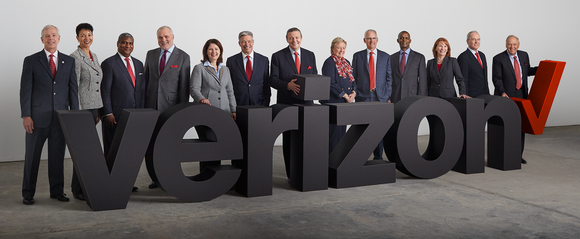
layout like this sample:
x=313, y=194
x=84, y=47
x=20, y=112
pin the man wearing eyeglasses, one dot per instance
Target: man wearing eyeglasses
x=372, y=72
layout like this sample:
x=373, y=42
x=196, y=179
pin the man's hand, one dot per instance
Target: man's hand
x=504, y=95
x=293, y=86
x=465, y=96
x=234, y=116
x=28, y=124
x=109, y=121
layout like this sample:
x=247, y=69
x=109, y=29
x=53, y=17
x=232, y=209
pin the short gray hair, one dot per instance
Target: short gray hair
x=123, y=35
x=511, y=36
x=48, y=27
x=371, y=30
x=164, y=27
x=471, y=32
x=245, y=33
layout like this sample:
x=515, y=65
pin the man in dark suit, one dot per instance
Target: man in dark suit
x=250, y=73
x=408, y=68
x=473, y=66
x=48, y=84
x=510, y=72
x=123, y=87
x=372, y=70
x=167, y=74
x=285, y=63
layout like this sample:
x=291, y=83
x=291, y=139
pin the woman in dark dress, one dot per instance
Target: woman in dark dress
x=342, y=85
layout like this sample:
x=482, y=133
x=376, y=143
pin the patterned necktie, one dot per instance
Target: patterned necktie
x=517, y=71
x=162, y=62
x=372, y=70
x=248, y=68
x=297, y=61
x=130, y=70
x=52, y=66
x=403, y=62
x=479, y=59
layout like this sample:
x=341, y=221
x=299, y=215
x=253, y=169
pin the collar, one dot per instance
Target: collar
x=170, y=50
x=123, y=57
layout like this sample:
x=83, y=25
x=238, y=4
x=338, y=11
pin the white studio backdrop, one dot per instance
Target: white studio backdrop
x=544, y=29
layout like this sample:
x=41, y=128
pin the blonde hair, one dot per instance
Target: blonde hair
x=336, y=41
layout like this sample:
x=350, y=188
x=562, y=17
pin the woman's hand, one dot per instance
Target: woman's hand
x=205, y=101
x=465, y=96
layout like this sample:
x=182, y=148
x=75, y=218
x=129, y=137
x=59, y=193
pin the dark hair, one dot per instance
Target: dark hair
x=123, y=35
x=206, y=46
x=294, y=29
x=441, y=39
x=85, y=26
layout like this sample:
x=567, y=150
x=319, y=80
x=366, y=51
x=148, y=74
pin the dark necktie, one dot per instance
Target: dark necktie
x=52, y=66
x=403, y=62
x=249, y=68
x=162, y=62
x=130, y=70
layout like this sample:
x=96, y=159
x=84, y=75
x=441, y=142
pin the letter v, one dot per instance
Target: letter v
x=104, y=188
x=536, y=109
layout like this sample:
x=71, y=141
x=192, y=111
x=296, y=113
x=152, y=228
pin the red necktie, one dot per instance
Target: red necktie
x=297, y=61
x=162, y=62
x=248, y=68
x=52, y=66
x=517, y=71
x=130, y=70
x=479, y=59
x=372, y=70
x=403, y=62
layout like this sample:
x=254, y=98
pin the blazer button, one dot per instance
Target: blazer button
x=54, y=93
x=97, y=90
x=219, y=91
x=54, y=82
x=97, y=82
x=219, y=98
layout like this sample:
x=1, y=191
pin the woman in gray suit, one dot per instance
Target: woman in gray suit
x=88, y=70
x=211, y=83
x=89, y=77
x=441, y=70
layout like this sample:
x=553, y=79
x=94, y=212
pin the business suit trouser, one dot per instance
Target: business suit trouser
x=56, y=147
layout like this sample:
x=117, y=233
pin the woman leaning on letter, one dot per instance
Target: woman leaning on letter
x=342, y=85
x=211, y=82
x=441, y=70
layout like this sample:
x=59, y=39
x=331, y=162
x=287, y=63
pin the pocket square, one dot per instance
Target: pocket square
x=309, y=67
x=140, y=73
x=174, y=66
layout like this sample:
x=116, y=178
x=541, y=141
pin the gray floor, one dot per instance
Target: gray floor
x=539, y=201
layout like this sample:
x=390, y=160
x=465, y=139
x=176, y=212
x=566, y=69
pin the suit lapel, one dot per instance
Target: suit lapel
x=443, y=65
x=210, y=70
x=397, y=64
x=87, y=59
x=288, y=56
x=510, y=65
x=240, y=62
x=60, y=63
x=124, y=69
x=155, y=60
x=44, y=61
x=171, y=60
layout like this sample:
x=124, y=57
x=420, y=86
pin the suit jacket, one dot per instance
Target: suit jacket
x=255, y=91
x=414, y=79
x=339, y=86
x=474, y=75
x=89, y=77
x=117, y=89
x=283, y=70
x=41, y=94
x=172, y=86
x=440, y=82
x=383, y=78
x=504, y=76
x=219, y=91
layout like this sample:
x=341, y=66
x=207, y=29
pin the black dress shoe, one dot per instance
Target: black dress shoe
x=153, y=185
x=28, y=200
x=524, y=161
x=135, y=189
x=79, y=196
x=61, y=197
